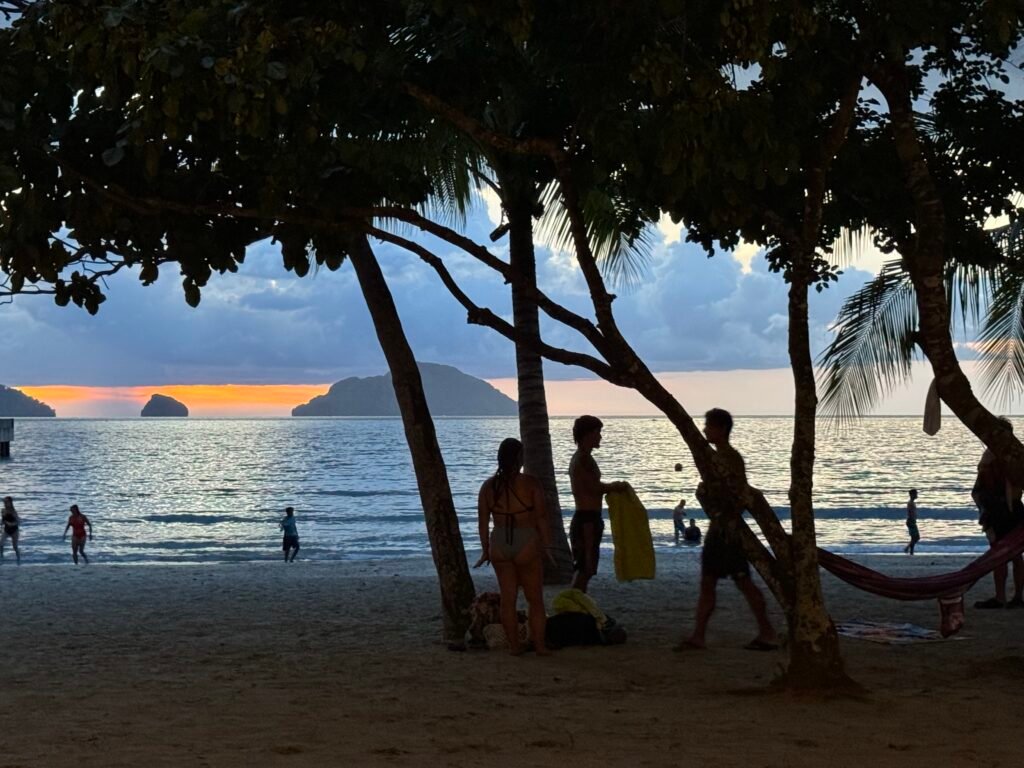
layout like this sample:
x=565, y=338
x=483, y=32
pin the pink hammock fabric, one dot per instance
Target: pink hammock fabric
x=946, y=585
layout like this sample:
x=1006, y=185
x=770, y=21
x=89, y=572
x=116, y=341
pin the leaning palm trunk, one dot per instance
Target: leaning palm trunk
x=457, y=591
x=924, y=256
x=534, y=425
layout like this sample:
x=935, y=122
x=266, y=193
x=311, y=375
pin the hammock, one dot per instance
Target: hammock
x=947, y=588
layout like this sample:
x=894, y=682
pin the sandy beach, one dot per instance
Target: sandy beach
x=342, y=664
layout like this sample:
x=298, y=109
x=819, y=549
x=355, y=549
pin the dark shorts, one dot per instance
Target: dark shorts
x=680, y=526
x=723, y=558
x=290, y=542
x=997, y=520
x=912, y=529
x=584, y=557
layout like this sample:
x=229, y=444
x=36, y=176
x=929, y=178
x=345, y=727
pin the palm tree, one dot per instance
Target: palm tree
x=876, y=330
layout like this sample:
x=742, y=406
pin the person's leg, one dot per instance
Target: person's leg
x=3, y=541
x=74, y=550
x=295, y=551
x=284, y=548
x=999, y=576
x=81, y=551
x=755, y=599
x=705, y=607
x=591, y=546
x=17, y=552
x=1018, y=581
x=508, y=586
x=531, y=577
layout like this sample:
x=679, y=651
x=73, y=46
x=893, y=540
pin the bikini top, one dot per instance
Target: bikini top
x=510, y=517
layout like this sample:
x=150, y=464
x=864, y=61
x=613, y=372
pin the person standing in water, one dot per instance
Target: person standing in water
x=915, y=535
x=517, y=544
x=78, y=523
x=9, y=528
x=723, y=555
x=290, y=542
x=679, y=519
x=588, y=492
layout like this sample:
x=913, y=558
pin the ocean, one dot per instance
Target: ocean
x=213, y=490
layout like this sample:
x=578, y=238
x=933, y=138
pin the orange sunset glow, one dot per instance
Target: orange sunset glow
x=209, y=400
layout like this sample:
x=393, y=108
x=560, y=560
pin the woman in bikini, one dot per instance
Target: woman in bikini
x=77, y=523
x=517, y=543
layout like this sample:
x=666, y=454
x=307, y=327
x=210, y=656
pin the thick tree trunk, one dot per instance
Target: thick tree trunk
x=534, y=426
x=924, y=259
x=814, y=657
x=457, y=590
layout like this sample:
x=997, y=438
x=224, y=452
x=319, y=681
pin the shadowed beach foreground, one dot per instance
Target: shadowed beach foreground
x=341, y=664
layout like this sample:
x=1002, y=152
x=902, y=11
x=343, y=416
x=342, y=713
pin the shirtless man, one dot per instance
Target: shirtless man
x=77, y=523
x=588, y=491
x=723, y=556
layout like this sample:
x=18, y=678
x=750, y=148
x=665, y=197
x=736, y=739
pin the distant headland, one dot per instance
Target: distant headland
x=164, y=406
x=449, y=391
x=16, y=403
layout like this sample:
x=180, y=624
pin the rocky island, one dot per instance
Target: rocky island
x=16, y=403
x=163, y=406
x=449, y=391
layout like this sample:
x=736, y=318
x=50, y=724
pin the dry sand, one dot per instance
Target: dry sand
x=341, y=664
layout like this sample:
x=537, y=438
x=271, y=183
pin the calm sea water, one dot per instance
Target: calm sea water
x=213, y=490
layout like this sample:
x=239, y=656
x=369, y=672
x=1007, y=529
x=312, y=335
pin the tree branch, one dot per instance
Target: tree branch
x=477, y=315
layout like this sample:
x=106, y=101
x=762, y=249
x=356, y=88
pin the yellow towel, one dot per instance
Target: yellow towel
x=577, y=601
x=631, y=534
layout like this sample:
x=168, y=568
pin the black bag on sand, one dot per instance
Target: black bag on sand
x=565, y=629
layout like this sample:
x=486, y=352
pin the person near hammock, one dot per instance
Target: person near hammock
x=723, y=555
x=1000, y=512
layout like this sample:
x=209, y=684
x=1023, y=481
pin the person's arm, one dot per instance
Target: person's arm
x=587, y=482
x=66, y=530
x=88, y=523
x=483, y=514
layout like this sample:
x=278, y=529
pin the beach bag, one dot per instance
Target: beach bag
x=565, y=629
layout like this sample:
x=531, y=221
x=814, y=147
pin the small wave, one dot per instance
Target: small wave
x=198, y=519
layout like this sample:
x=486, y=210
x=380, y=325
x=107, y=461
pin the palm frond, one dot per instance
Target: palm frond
x=1001, y=341
x=851, y=243
x=873, y=348
x=621, y=240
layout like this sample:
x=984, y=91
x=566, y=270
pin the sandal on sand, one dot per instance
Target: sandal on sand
x=990, y=603
x=760, y=645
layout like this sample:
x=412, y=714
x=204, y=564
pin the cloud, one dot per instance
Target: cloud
x=265, y=326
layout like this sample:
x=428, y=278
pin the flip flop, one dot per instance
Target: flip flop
x=990, y=603
x=760, y=645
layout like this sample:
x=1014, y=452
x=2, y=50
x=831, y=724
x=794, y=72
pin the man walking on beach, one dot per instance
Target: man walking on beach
x=588, y=492
x=77, y=523
x=723, y=555
x=291, y=535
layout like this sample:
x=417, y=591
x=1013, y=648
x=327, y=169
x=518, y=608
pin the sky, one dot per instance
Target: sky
x=713, y=329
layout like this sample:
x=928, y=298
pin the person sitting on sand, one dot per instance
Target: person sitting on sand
x=692, y=534
x=517, y=543
x=77, y=523
x=723, y=555
x=678, y=517
x=291, y=535
x=588, y=492
x=915, y=535
x=1000, y=512
x=9, y=528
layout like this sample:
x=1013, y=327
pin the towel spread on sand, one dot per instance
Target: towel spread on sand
x=889, y=632
x=631, y=534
